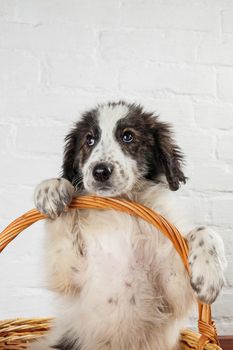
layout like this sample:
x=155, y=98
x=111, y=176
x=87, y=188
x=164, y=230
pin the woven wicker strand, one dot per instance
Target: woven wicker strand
x=16, y=334
x=21, y=331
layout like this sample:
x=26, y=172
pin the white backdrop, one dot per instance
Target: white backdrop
x=58, y=57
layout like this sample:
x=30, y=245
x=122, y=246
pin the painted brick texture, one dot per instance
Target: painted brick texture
x=59, y=57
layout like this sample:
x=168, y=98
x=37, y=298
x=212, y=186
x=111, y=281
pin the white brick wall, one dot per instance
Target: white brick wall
x=59, y=57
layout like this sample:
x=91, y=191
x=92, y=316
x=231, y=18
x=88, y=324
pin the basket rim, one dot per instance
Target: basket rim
x=205, y=324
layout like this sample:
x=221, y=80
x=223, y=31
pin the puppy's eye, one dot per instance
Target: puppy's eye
x=127, y=137
x=90, y=140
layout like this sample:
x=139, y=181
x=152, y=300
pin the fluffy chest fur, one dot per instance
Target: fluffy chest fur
x=121, y=271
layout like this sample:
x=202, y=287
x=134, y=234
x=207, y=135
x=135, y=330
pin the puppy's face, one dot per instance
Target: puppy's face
x=117, y=145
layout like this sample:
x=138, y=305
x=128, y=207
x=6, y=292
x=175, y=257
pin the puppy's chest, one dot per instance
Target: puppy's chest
x=121, y=248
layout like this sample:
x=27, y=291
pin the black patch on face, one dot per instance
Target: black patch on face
x=138, y=124
x=77, y=150
x=67, y=344
x=152, y=147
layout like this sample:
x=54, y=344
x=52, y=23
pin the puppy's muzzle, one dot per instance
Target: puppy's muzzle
x=102, y=172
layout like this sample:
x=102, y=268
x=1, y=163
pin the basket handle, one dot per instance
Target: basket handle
x=205, y=324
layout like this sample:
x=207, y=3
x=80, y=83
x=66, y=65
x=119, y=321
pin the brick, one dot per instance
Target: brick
x=148, y=78
x=225, y=147
x=177, y=112
x=196, y=208
x=212, y=178
x=45, y=107
x=83, y=73
x=28, y=273
x=222, y=210
x=229, y=274
x=213, y=116
x=28, y=246
x=227, y=24
x=157, y=45
x=216, y=50
x=83, y=12
x=225, y=83
x=17, y=199
x=28, y=171
x=19, y=72
x=8, y=10
x=196, y=145
x=5, y=136
x=26, y=302
x=221, y=306
x=192, y=15
x=225, y=326
x=39, y=106
x=41, y=139
x=227, y=237
x=49, y=37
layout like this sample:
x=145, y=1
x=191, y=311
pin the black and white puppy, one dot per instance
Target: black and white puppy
x=123, y=285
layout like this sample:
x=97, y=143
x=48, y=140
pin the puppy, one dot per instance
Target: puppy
x=121, y=282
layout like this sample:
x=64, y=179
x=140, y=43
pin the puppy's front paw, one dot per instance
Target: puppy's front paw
x=52, y=196
x=207, y=263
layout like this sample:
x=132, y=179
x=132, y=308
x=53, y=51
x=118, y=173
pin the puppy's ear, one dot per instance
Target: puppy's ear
x=168, y=155
x=70, y=164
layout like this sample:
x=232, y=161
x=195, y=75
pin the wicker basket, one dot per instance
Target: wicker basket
x=18, y=333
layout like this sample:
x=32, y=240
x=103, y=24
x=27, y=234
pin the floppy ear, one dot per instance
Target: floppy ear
x=70, y=170
x=168, y=155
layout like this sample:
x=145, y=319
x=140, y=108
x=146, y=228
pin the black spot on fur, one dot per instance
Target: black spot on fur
x=201, y=228
x=44, y=203
x=213, y=293
x=67, y=344
x=212, y=251
x=132, y=300
x=113, y=301
x=200, y=280
x=191, y=263
x=198, y=284
x=212, y=290
x=201, y=243
x=192, y=237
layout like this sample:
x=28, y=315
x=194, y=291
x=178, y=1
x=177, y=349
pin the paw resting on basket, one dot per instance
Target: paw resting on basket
x=207, y=263
x=52, y=196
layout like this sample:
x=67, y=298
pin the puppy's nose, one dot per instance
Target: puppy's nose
x=102, y=172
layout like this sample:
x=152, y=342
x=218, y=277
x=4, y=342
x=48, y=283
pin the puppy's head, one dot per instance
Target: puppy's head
x=117, y=145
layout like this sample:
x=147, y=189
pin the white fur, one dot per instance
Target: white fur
x=108, y=150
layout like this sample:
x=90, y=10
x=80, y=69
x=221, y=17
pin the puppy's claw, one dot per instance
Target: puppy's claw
x=53, y=196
